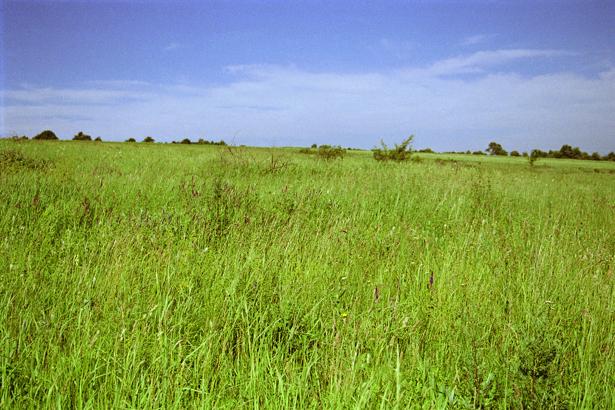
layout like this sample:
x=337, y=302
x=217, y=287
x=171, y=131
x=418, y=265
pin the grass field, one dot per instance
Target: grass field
x=172, y=276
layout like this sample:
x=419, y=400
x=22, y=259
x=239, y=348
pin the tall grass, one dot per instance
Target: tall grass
x=137, y=275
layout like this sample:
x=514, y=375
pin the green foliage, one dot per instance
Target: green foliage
x=15, y=160
x=401, y=152
x=515, y=154
x=46, y=135
x=330, y=152
x=148, y=139
x=80, y=136
x=17, y=138
x=98, y=139
x=496, y=149
x=426, y=151
x=186, y=141
x=131, y=140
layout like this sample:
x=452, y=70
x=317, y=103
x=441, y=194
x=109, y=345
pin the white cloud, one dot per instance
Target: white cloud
x=285, y=105
x=476, y=39
x=479, y=61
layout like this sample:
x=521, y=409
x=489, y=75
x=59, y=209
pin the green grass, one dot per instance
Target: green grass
x=146, y=275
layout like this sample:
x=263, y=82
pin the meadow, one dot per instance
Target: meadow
x=138, y=275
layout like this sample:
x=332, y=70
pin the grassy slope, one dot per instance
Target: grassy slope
x=137, y=275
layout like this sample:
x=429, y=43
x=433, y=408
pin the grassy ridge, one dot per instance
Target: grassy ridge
x=137, y=275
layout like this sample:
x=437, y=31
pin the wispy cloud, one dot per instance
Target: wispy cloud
x=476, y=39
x=286, y=103
x=481, y=60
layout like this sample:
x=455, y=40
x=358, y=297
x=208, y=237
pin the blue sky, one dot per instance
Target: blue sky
x=457, y=74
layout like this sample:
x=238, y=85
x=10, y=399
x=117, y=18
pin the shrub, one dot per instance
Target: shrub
x=18, y=138
x=80, y=136
x=148, y=139
x=401, y=152
x=186, y=141
x=330, y=152
x=98, y=139
x=131, y=140
x=515, y=154
x=11, y=159
x=46, y=135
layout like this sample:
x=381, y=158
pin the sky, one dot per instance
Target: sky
x=456, y=74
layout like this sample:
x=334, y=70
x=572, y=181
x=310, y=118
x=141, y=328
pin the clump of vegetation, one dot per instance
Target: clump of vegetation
x=496, y=149
x=426, y=151
x=324, y=151
x=12, y=159
x=330, y=152
x=186, y=141
x=212, y=142
x=18, y=138
x=46, y=135
x=80, y=136
x=401, y=152
x=131, y=140
x=98, y=139
x=148, y=139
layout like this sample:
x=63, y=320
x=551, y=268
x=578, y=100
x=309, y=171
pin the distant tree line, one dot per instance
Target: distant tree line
x=566, y=151
x=400, y=152
x=201, y=141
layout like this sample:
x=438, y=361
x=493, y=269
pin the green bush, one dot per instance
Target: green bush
x=148, y=139
x=330, y=152
x=46, y=135
x=401, y=152
x=80, y=136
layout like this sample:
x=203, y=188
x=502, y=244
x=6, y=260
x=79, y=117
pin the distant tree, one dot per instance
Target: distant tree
x=131, y=140
x=80, y=136
x=515, y=154
x=495, y=149
x=479, y=152
x=535, y=154
x=46, y=135
x=148, y=139
x=222, y=143
x=314, y=146
x=610, y=156
x=426, y=150
x=98, y=139
x=539, y=153
x=524, y=154
x=566, y=151
x=186, y=141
